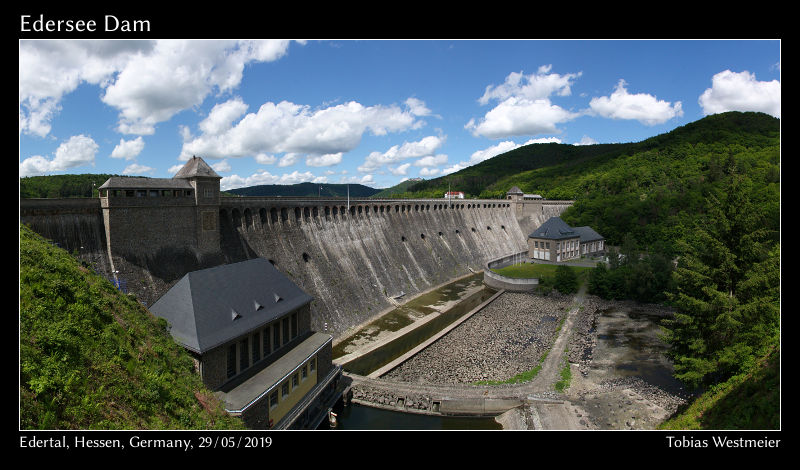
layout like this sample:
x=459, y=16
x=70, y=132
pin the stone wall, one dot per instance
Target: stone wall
x=350, y=258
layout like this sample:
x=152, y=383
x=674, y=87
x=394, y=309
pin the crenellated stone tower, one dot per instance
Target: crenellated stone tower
x=145, y=215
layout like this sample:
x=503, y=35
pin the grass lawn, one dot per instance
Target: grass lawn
x=539, y=271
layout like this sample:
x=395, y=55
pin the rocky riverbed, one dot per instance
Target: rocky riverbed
x=506, y=338
x=613, y=350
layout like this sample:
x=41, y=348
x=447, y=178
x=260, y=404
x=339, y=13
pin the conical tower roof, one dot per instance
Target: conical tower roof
x=514, y=190
x=196, y=167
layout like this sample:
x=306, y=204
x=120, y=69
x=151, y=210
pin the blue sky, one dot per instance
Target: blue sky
x=369, y=112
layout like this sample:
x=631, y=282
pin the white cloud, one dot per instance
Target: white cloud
x=222, y=115
x=49, y=70
x=424, y=147
x=524, y=105
x=520, y=116
x=147, y=81
x=642, y=107
x=731, y=91
x=429, y=171
x=222, y=167
x=329, y=159
x=174, y=169
x=288, y=160
x=128, y=149
x=136, y=169
x=79, y=150
x=586, y=140
x=265, y=177
x=400, y=170
x=291, y=128
x=431, y=160
x=264, y=159
x=536, y=86
x=417, y=107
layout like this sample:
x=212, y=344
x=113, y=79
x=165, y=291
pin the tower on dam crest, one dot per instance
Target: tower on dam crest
x=148, y=214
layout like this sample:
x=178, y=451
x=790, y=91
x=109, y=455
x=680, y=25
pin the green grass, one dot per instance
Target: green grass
x=566, y=376
x=94, y=358
x=522, y=377
x=538, y=271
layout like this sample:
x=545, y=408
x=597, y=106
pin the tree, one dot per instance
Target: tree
x=727, y=283
x=566, y=281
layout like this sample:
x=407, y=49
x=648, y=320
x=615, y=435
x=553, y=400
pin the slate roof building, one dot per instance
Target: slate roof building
x=247, y=326
x=556, y=241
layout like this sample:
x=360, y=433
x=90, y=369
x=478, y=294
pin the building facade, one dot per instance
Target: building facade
x=556, y=241
x=248, y=329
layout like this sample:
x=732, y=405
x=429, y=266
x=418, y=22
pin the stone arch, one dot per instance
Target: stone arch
x=273, y=215
x=306, y=213
x=335, y=211
x=297, y=213
x=284, y=214
x=262, y=216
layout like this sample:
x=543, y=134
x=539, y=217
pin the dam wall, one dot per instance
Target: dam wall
x=74, y=224
x=356, y=257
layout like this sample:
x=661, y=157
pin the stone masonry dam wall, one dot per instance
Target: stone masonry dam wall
x=351, y=259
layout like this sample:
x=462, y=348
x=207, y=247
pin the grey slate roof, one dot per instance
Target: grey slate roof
x=120, y=182
x=588, y=234
x=554, y=229
x=514, y=190
x=210, y=307
x=196, y=167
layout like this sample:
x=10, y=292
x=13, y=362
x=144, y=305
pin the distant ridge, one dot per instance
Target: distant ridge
x=305, y=190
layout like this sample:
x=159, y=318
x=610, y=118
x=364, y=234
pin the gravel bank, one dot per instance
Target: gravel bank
x=504, y=339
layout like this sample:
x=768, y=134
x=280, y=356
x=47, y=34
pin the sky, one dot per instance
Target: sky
x=374, y=112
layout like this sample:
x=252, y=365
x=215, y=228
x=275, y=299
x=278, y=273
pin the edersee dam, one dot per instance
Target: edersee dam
x=353, y=256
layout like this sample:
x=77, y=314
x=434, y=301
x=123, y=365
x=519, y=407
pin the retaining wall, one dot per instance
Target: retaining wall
x=500, y=282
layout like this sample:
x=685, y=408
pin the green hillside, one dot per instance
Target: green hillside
x=94, y=358
x=651, y=190
x=306, y=190
x=398, y=190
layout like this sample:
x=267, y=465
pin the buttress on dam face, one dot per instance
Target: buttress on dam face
x=351, y=255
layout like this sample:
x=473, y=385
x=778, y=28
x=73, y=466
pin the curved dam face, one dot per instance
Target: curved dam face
x=353, y=261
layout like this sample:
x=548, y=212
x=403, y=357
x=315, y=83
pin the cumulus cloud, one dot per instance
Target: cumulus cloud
x=147, y=81
x=265, y=177
x=524, y=106
x=400, y=170
x=221, y=167
x=731, y=91
x=77, y=151
x=329, y=159
x=586, y=140
x=431, y=161
x=136, y=169
x=264, y=159
x=422, y=148
x=537, y=86
x=298, y=129
x=128, y=149
x=641, y=107
x=222, y=115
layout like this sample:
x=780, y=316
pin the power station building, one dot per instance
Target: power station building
x=556, y=241
x=248, y=328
